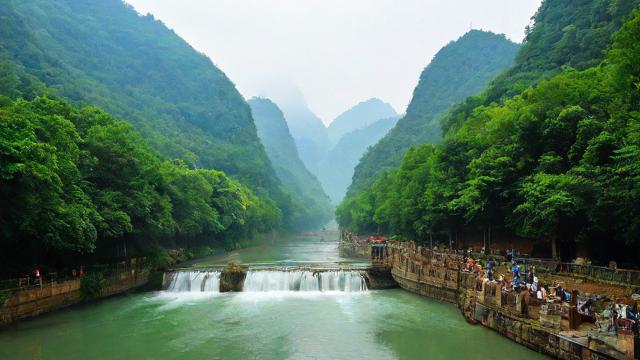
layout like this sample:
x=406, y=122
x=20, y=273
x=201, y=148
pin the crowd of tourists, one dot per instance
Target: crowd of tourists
x=606, y=314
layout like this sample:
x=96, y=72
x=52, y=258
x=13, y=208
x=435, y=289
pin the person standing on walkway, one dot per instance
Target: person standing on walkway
x=36, y=275
x=490, y=265
x=515, y=269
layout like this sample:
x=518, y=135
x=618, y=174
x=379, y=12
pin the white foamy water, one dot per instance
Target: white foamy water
x=304, y=281
x=195, y=281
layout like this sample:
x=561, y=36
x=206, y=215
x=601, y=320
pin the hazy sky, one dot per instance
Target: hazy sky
x=336, y=52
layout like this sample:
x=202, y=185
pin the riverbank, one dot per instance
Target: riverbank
x=22, y=299
x=438, y=275
x=46, y=296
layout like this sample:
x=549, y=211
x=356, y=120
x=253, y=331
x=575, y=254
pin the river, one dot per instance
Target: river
x=381, y=324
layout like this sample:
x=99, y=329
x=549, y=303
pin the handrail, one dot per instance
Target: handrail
x=621, y=276
x=549, y=265
x=110, y=271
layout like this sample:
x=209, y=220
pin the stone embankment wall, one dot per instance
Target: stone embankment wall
x=439, y=275
x=31, y=302
x=36, y=300
x=379, y=278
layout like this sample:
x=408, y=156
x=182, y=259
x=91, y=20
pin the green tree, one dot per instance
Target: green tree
x=551, y=204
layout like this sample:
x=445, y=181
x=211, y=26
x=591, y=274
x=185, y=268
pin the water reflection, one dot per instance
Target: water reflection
x=319, y=248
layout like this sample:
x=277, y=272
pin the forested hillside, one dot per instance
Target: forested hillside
x=566, y=33
x=79, y=186
x=359, y=116
x=104, y=53
x=558, y=162
x=337, y=169
x=78, y=183
x=460, y=69
x=314, y=208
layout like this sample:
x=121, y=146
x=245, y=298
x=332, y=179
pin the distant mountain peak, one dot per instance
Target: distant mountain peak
x=283, y=153
x=460, y=69
x=359, y=116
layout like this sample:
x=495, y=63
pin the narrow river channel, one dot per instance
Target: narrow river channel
x=381, y=324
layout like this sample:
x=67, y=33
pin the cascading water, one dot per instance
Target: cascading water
x=299, y=280
x=195, y=281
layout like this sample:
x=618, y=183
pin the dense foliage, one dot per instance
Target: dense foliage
x=312, y=208
x=76, y=181
x=560, y=161
x=337, y=169
x=92, y=286
x=565, y=33
x=460, y=69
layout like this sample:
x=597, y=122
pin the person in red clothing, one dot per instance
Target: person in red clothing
x=36, y=275
x=36, y=272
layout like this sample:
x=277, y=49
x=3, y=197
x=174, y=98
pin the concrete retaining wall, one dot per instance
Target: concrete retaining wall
x=379, y=278
x=433, y=291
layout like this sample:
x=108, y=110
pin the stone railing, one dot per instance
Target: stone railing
x=625, y=277
x=439, y=268
x=616, y=276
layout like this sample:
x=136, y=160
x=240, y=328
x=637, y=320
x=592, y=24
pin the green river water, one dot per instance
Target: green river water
x=382, y=324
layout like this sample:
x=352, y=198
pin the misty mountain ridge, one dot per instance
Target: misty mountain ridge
x=332, y=163
x=283, y=153
x=359, y=116
x=460, y=69
x=337, y=169
x=310, y=136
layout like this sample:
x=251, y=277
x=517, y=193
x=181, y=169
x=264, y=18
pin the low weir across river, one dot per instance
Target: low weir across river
x=195, y=281
x=272, y=279
x=304, y=280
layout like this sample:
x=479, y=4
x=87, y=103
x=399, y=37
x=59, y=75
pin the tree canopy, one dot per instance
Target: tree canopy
x=77, y=181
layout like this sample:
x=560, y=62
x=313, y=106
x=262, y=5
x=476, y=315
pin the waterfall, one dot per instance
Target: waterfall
x=298, y=280
x=195, y=281
x=271, y=280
